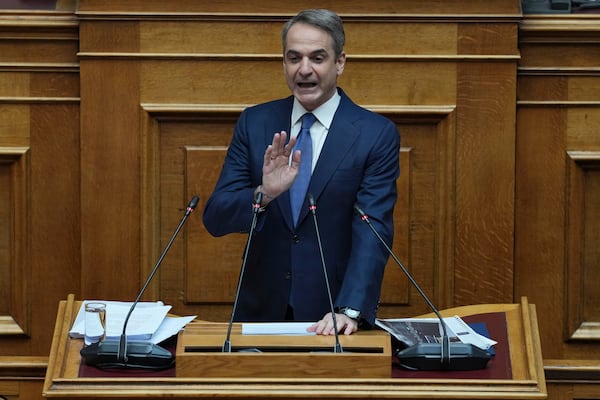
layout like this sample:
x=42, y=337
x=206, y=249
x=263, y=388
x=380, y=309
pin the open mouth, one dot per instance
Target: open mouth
x=306, y=85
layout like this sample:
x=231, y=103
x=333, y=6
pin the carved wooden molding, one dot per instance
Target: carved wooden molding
x=23, y=366
x=15, y=264
x=572, y=28
x=563, y=371
x=583, y=188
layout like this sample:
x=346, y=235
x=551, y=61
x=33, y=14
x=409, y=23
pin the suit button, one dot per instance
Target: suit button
x=296, y=239
x=288, y=275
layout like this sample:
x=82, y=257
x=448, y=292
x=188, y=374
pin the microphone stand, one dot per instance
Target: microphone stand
x=468, y=356
x=112, y=354
x=255, y=210
x=122, y=353
x=312, y=206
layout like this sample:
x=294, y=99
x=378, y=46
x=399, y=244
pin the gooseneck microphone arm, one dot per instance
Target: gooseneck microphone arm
x=255, y=210
x=312, y=206
x=445, y=356
x=122, y=352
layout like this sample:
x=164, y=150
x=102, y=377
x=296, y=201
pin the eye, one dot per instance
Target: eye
x=292, y=58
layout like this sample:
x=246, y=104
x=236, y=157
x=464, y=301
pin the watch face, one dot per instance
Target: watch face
x=354, y=314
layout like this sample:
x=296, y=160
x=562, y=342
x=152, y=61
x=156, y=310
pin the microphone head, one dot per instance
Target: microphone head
x=312, y=206
x=358, y=210
x=193, y=203
x=257, y=202
x=258, y=198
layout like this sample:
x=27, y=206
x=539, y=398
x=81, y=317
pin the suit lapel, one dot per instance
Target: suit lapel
x=342, y=134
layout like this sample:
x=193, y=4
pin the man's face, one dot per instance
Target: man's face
x=310, y=66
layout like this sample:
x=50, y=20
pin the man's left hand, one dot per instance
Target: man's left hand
x=345, y=325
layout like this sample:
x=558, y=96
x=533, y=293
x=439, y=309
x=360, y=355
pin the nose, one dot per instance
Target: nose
x=305, y=66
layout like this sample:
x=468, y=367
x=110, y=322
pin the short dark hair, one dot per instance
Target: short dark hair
x=325, y=20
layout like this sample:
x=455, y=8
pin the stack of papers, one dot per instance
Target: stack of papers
x=411, y=331
x=149, y=321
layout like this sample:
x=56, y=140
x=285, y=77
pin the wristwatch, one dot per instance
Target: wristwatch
x=351, y=313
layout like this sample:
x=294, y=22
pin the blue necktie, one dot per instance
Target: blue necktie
x=304, y=144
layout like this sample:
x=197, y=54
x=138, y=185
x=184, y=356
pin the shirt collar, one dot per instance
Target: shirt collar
x=324, y=112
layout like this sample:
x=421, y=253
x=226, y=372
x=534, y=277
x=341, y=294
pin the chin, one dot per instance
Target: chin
x=309, y=102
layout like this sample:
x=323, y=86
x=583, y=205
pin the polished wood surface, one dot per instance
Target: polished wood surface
x=527, y=382
x=366, y=354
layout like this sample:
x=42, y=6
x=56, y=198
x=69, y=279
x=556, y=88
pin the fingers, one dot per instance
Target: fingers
x=279, y=147
x=278, y=173
x=345, y=325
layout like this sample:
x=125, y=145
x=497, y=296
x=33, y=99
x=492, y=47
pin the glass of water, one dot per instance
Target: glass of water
x=95, y=322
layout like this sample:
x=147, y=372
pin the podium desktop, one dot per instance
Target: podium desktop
x=518, y=376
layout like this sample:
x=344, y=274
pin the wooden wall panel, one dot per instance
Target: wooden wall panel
x=29, y=177
x=15, y=303
x=557, y=195
x=54, y=214
x=39, y=190
x=220, y=36
x=376, y=82
x=111, y=179
x=582, y=253
x=485, y=183
x=21, y=378
x=539, y=211
x=252, y=8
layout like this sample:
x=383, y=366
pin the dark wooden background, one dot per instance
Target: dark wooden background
x=114, y=113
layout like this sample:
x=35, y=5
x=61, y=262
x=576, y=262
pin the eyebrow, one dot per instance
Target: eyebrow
x=312, y=53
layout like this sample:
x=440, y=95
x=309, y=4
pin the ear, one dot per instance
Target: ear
x=340, y=63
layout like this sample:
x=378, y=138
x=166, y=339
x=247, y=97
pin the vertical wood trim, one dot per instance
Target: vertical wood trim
x=149, y=199
x=446, y=211
x=18, y=320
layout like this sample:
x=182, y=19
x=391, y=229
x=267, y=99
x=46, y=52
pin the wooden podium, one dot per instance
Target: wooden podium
x=199, y=354
x=66, y=379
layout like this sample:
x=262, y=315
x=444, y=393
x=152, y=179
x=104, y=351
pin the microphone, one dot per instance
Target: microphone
x=312, y=206
x=433, y=356
x=135, y=354
x=255, y=210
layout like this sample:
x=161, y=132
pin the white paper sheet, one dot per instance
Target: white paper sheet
x=148, y=321
x=277, y=328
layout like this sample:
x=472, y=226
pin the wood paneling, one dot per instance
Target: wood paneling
x=583, y=192
x=110, y=180
x=22, y=378
x=557, y=195
x=39, y=153
x=144, y=8
x=15, y=303
x=499, y=186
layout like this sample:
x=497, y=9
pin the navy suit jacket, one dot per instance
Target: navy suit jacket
x=359, y=163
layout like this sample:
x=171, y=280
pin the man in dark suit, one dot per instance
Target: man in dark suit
x=354, y=160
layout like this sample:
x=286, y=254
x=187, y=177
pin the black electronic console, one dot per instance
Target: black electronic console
x=426, y=357
x=139, y=355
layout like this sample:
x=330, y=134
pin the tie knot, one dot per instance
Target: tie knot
x=308, y=120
